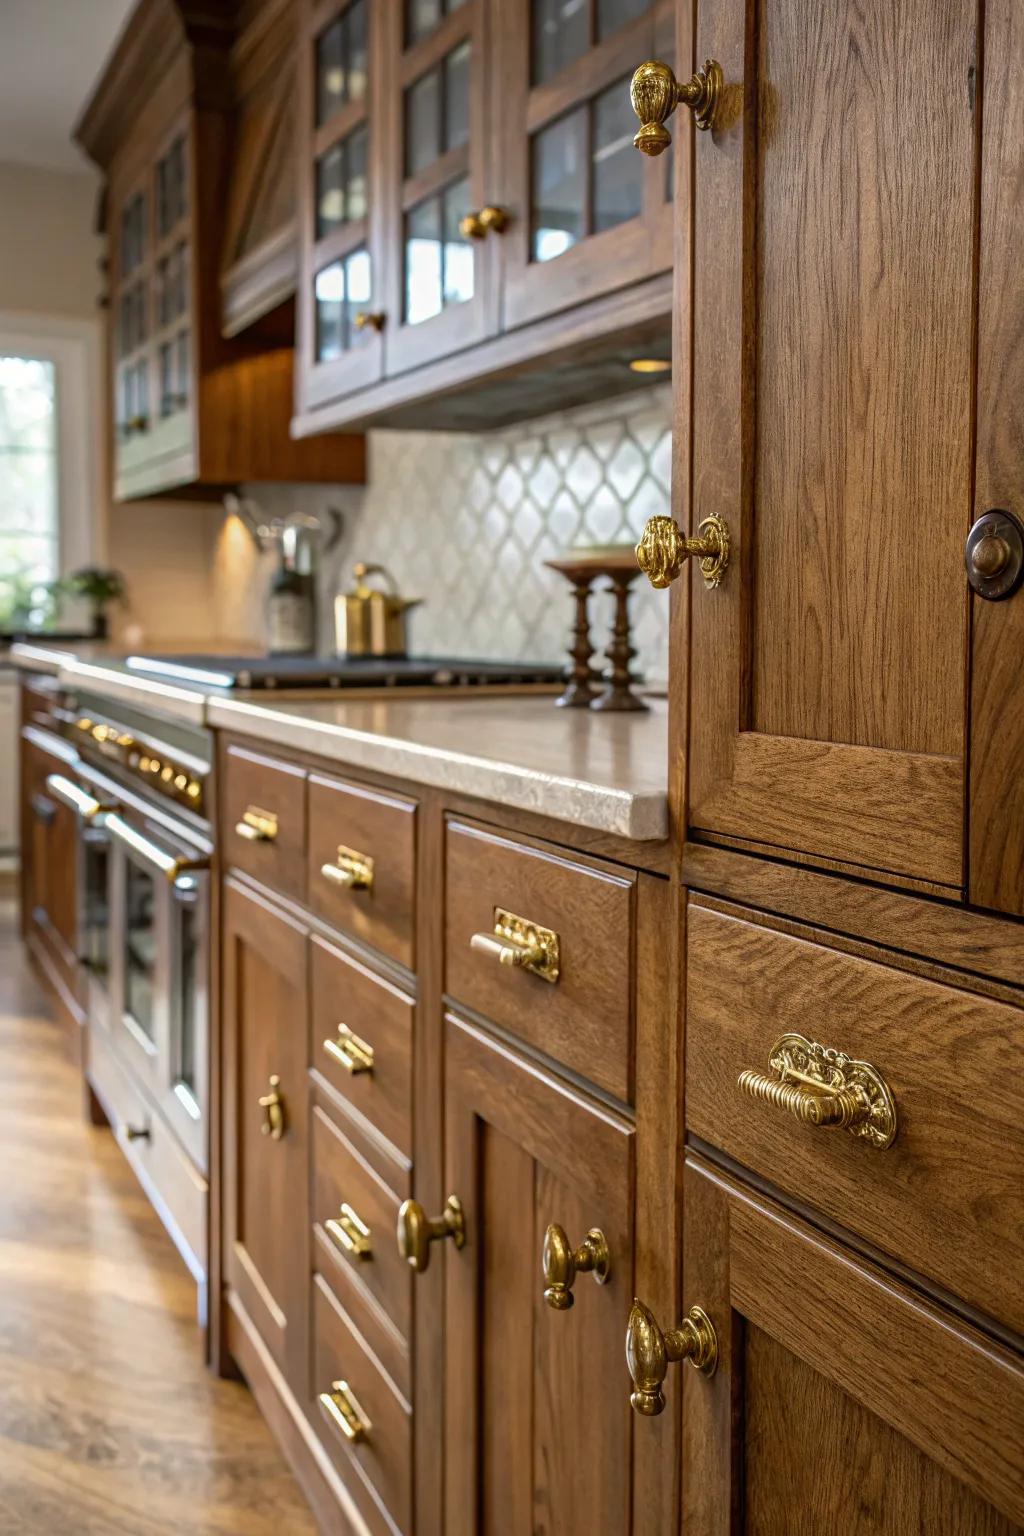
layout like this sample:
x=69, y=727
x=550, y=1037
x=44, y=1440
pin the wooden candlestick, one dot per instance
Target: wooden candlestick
x=580, y=689
x=582, y=567
x=617, y=695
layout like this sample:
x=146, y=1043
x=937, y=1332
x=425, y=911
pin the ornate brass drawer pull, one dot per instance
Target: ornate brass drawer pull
x=272, y=1105
x=475, y=226
x=649, y=1352
x=257, y=826
x=517, y=942
x=562, y=1263
x=417, y=1230
x=353, y=870
x=349, y=1051
x=664, y=549
x=655, y=93
x=822, y=1087
x=339, y=1405
x=351, y=1233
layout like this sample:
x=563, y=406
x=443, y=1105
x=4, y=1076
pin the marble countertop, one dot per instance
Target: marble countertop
x=605, y=772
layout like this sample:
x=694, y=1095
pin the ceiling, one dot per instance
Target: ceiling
x=51, y=53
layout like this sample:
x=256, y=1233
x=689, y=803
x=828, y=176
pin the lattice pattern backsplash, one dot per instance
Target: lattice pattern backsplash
x=466, y=521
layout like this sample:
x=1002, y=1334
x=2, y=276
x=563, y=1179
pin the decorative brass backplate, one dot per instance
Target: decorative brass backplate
x=823, y=1087
x=516, y=942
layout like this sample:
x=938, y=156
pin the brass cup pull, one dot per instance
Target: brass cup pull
x=417, y=1230
x=476, y=226
x=352, y=869
x=272, y=1105
x=340, y=1406
x=649, y=1352
x=655, y=93
x=562, y=1263
x=822, y=1087
x=516, y=942
x=257, y=826
x=349, y=1051
x=350, y=1233
x=664, y=549
x=370, y=320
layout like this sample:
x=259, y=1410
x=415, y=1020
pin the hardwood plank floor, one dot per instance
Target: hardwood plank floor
x=110, y=1424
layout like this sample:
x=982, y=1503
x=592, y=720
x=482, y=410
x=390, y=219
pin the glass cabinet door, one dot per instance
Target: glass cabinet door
x=342, y=310
x=444, y=254
x=132, y=238
x=171, y=279
x=589, y=213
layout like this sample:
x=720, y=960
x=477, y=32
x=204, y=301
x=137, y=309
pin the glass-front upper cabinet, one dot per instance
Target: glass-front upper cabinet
x=132, y=309
x=588, y=212
x=342, y=313
x=442, y=226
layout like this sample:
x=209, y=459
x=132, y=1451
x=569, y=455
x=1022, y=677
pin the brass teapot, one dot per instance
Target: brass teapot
x=370, y=621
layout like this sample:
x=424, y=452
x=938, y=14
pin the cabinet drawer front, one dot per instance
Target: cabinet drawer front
x=347, y=997
x=263, y=819
x=368, y=837
x=585, y=1018
x=945, y=1197
x=355, y=1214
x=382, y=1455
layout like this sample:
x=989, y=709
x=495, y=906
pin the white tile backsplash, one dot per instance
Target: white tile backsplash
x=466, y=521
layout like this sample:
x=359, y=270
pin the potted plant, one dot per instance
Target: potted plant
x=99, y=587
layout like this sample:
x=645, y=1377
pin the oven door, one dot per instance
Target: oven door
x=160, y=927
x=92, y=891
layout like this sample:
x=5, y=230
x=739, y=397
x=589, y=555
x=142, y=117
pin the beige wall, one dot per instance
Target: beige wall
x=48, y=252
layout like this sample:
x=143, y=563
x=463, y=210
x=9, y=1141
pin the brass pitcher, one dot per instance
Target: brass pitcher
x=369, y=621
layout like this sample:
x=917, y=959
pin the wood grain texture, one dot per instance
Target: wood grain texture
x=110, y=1423
x=946, y=1197
x=585, y=1019
x=996, y=876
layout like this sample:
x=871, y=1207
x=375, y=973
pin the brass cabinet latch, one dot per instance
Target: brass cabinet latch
x=350, y=1233
x=349, y=1051
x=822, y=1087
x=649, y=1352
x=562, y=1263
x=257, y=826
x=272, y=1105
x=655, y=93
x=340, y=1406
x=516, y=942
x=352, y=869
x=417, y=1230
x=664, y=549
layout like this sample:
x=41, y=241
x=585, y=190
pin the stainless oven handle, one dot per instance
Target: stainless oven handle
x=156, y=858
x=79, y=800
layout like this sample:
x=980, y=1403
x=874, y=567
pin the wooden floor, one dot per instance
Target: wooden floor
x=110, y=1425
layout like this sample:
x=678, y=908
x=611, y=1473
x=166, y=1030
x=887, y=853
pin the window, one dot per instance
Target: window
x=29, y=527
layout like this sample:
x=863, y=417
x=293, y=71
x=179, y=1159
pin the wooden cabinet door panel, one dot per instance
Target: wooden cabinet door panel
x=842, y=1401
x=537, y=1431
x=266, y=1180
x=832, y=388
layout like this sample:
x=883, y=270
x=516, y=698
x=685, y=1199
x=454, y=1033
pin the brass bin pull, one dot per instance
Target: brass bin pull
x=350, y=1233
x=341, y=1407
x=349, y=1051
x=516, y=942
x=655, y=93
x=664, y=549
x=417, y=1230
x=272, y=1105
x=562, y=1263
x=257, y=826
x=822, y=1087
x=649, y=1352
x=352, y=869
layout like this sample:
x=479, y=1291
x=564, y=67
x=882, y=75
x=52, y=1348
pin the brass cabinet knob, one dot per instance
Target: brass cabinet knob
x=350, y=1052
x=994, y=555
x=351, y=869
x=822, y=1087
x=340, y=1406
x=417, y=1230
x=350, y=1233
x=272, y=1105
x=664, y=549
x=370, y=320
x=257, y=826
x=562, y=1263
x=136, y=1133
x=649, y=1352
x=655, y=93
x=475, y=226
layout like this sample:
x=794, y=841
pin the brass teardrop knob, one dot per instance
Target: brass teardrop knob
x=655, y=93
x=664, y=548
x=417, y=1230
x=649, y=1352
x=562, y=1263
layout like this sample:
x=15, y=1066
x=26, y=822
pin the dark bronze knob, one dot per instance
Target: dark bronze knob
x=994, y=555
